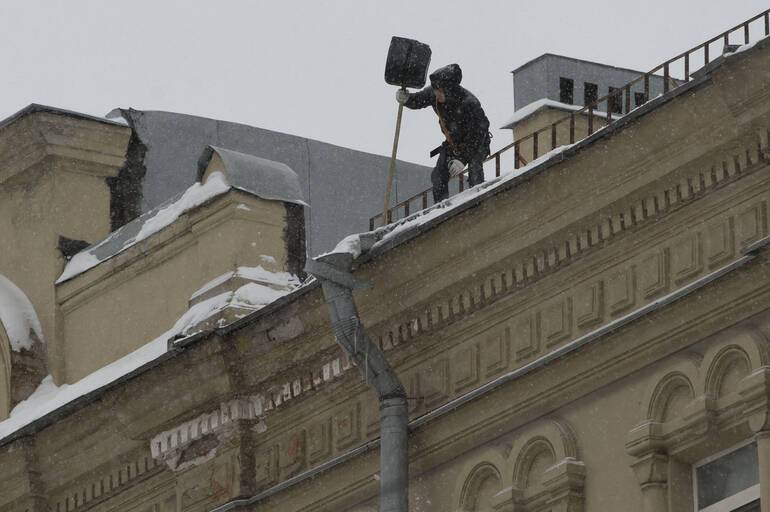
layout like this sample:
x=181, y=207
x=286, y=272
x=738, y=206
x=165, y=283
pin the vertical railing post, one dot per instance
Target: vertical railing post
x=424, y=200
x=553, y=136
x=516, y=155
x=687, y=67
x=534, y=145
x=767, y=24
x=666, y=76
x=497, y=164
x=461, y=185
x=705, y=53
x=646, y=87
x=572, y=128
x=406, y=208
x=590, y=119
x=628, y=98
x=746, y=33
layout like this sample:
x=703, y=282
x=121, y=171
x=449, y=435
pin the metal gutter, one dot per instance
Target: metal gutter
x=333, y=271
x=748, y=254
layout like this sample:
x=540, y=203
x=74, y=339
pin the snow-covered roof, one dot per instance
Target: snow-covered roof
x=17, y=316
x=145, y=226
x=258, y=176
x=380, y=238
x=48, y=397
x=264, y=178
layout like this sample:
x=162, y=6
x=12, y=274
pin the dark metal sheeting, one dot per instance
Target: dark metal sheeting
x=264, y=178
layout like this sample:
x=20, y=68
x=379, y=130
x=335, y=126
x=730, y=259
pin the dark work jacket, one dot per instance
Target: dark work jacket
x=466, y=124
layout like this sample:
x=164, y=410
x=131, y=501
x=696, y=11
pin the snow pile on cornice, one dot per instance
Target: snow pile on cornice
x=266, y=288
x=284, y=281
x=350, y=244
x=145, y=226
x=18, y=316
x=48, y=397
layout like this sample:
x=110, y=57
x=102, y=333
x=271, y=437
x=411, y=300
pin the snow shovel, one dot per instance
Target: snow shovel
x=406, y=66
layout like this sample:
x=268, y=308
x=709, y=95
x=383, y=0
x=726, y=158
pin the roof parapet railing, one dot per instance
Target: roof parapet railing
x=617, y=101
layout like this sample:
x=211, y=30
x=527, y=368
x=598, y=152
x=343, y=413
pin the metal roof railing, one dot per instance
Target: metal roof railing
x=683, y=64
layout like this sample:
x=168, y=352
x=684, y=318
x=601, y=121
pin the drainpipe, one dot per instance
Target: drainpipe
x=333, y=271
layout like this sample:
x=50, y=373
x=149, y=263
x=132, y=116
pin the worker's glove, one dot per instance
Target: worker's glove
x=455, y=167
x=402, y=96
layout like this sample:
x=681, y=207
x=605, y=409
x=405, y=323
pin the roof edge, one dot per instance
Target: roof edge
x=34, y=108
x=575, y=59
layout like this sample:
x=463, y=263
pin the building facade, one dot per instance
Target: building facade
x=576, y=82
x=589, y=334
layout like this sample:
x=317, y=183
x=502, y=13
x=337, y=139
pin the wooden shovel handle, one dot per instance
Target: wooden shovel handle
x=392, y=167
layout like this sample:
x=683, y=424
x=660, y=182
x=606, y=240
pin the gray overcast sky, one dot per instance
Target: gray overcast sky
x=316, y=68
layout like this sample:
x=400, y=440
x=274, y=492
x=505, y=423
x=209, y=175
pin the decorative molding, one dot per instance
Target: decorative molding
x=653, y=273
x=465, y=361
x=621, y=290
x=685, y=258
x=589, y=304
x=706, y=414
x=106, y=486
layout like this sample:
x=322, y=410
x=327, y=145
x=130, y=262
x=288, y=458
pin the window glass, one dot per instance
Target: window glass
x=566, y=90
x=590, y=94
x=615, y=100
x=727, y=475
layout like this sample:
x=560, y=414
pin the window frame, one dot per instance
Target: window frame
x=615, y=100
x=734, y=502
x=595, y=87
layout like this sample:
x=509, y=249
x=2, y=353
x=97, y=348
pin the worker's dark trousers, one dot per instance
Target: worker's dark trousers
x=440, y=175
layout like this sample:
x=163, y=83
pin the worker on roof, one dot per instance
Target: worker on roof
x=463, y=122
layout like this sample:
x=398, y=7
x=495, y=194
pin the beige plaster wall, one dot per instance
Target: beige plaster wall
x=36, y=207
x=53, y=172
x=139, y=294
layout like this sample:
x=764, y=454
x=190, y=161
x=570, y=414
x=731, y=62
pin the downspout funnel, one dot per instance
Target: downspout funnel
x=333, y=271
